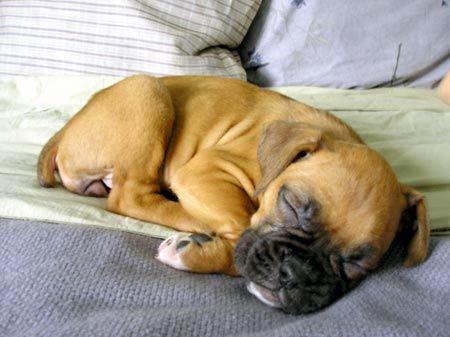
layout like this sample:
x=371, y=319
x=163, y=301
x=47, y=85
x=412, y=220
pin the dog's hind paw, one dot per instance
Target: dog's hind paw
x=171, y=250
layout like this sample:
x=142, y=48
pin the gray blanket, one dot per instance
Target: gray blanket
x=60, y=280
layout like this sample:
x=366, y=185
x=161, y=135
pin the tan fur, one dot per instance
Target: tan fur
x=226, y=157
x=47, y=164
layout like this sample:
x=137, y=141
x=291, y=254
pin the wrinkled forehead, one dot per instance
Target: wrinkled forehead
x=344, y=170
x=358, y=196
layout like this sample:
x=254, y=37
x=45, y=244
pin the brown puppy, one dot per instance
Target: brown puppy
x=218, y=157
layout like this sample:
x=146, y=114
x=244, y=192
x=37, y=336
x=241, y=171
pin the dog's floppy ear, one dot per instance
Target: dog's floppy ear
x=415, y=221
x=280, y=143
x=47, y=162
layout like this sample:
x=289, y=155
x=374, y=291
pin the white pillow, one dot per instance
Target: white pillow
x=122, y=37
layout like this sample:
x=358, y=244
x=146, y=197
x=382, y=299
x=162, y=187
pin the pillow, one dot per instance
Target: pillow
x=349, y=44
x=121, y=37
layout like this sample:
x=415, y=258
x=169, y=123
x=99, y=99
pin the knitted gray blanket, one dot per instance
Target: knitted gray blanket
x=61, y=280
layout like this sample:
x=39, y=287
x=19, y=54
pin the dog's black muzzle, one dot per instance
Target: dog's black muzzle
x=294, y=272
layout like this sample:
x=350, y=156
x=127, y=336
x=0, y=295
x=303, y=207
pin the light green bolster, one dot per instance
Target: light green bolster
x=410, y=127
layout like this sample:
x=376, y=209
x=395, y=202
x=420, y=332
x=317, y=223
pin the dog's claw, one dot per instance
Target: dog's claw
x=182, y=244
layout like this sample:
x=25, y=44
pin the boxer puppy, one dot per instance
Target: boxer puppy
x=220, y=158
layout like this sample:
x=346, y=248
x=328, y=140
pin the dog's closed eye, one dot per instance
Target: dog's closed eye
x=301, y=155
x=298, y=211
x=359, y=262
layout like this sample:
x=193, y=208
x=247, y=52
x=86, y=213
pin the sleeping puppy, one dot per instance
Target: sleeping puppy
x=284, y=194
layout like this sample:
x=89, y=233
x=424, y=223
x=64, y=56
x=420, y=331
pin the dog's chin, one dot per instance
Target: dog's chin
x=284, y=271
x=264, y=295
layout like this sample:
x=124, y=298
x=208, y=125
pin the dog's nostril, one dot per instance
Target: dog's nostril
x=285, y=274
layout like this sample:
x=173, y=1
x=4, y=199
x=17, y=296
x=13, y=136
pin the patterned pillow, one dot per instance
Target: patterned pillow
x=348, y=44
x=121, y=37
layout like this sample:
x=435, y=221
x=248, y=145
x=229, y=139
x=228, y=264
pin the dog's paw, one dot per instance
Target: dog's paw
x=172, y=250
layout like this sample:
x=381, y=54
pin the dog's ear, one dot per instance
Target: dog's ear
x=47, y=162
x=415, y=223
x=281, y=143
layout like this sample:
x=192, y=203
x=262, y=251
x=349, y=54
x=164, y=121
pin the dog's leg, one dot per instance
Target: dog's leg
x=141, y=200
x=214, y=195
x=136, y=116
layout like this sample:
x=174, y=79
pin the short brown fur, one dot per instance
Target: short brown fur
x=225, y=148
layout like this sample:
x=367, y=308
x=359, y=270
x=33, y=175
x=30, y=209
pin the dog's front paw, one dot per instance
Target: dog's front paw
x=172, y=250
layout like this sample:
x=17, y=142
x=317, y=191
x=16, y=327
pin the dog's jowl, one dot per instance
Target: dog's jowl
x=286, y=195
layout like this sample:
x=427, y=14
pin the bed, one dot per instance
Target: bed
x=70, y=268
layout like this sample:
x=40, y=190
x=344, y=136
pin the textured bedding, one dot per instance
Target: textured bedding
x=81, y=281
x=410, y=127
x=68, y=278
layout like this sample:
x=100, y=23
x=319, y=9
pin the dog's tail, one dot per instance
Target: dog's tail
x=47, y=161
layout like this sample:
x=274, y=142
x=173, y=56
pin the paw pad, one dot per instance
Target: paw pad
x=171, y=249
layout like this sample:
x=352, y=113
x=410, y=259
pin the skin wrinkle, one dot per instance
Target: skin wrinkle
x=280, y=289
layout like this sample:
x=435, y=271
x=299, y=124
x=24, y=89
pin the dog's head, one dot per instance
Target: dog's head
x=329, y=210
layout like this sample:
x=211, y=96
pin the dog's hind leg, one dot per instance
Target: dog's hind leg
x=137, y=117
